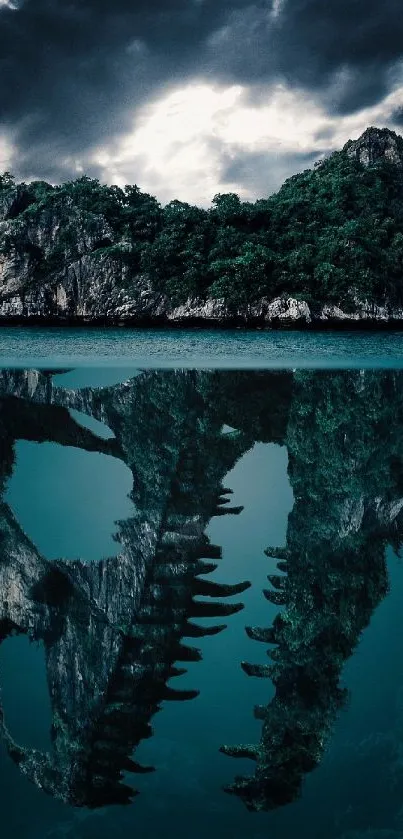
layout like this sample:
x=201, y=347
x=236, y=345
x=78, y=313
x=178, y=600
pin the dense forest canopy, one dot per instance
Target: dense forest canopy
x=333, y=233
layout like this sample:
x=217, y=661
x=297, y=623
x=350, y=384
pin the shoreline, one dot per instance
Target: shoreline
x=228, y=324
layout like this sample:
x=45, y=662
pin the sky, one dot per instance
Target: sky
x=189, y=98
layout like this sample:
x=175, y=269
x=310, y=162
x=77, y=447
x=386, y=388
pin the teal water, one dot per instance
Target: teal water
x=131, y=348
x=188, y=467
x=67, y=501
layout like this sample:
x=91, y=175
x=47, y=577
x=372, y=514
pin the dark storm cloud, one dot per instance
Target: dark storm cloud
x=73, y=73
x=346, y=49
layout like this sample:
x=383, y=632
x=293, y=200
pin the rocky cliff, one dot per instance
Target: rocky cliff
x=376, y=145
x=326, y=250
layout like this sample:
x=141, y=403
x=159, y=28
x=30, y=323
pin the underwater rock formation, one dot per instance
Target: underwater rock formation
x=113, y=631
x=343, y=433
x=345, y=445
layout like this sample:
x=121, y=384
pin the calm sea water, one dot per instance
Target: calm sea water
x=200, y=575
x=197, y=348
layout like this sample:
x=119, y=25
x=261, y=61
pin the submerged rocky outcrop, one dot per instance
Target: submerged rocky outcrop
x=113, y=631
x=345, y=468
x=116, y=632
x=326, y=250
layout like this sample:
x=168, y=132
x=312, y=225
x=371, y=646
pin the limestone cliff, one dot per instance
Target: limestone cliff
x=376, y=145
x=72, y=255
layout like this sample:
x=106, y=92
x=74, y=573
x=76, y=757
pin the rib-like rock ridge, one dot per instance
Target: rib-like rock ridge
x=115, y=630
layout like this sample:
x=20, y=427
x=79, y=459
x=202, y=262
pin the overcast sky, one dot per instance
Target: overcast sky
x=188, y=98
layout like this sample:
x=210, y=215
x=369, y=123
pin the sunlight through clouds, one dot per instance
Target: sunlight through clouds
x=175, y=146
x=177, y=93
x=179, y=142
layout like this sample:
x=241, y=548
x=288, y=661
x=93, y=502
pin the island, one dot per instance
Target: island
x=325, y=251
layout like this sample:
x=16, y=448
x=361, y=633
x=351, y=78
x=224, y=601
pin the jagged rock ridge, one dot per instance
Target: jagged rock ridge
x=376, y=145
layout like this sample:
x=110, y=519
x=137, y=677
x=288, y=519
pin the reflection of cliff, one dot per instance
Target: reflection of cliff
x=113, y=631
x=345, y=445
x=116, y=632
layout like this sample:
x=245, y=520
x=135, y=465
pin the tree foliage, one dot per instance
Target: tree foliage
x=333, y=233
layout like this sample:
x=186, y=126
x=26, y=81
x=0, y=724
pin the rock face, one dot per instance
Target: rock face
x=281, y=310
x=82, y=284
x=285, y=310
x=376, y=145
x=85, y=298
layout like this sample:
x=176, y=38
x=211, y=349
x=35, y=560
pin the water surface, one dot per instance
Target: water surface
x=156, y=348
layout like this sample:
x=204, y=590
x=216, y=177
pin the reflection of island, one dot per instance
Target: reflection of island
x=345, y=445
x=114, y=631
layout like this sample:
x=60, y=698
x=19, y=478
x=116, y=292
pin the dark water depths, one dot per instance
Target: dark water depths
x=201, y=595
